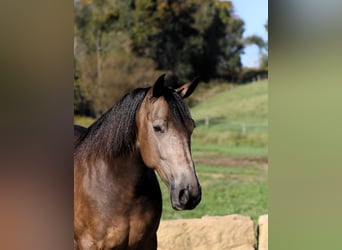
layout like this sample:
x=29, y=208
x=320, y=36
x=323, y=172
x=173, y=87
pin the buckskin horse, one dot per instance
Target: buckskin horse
x=117, y=198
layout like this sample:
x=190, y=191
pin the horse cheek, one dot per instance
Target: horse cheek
x=147, y=152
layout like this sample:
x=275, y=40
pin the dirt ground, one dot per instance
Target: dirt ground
x=260, y=162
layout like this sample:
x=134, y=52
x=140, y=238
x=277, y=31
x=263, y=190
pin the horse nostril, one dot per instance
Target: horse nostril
x=184, y=196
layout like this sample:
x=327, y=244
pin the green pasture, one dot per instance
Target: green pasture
x=229, y=147
x=233, y=122
x=83, y=120
x=225, y=190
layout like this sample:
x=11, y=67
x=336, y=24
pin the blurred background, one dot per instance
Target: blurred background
x=120, y=45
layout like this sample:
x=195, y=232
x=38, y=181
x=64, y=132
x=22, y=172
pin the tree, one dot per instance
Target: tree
x=229, y=40
x=262, y=45
x=188, y=38
x=123, y=44
x=93, y=18
x=264, y=58
x=95, y=23
x=256, y=40
x=160, y=31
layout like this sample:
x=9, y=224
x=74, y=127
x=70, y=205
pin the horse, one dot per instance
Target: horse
x=117, y=197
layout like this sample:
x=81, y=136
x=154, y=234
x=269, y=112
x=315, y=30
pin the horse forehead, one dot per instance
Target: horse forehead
x=160, y=108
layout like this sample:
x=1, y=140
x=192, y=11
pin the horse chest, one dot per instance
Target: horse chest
x=120, y=222
x=136, y=230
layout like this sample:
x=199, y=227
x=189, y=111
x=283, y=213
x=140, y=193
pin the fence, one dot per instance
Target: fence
x=241, y=127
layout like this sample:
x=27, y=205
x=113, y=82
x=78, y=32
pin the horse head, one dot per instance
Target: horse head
x=164, y=128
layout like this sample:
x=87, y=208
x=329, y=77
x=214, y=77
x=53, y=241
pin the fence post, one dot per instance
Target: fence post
x=243, y=129
x=207, y=122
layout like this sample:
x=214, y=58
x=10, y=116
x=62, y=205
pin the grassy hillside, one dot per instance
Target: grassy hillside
x=233, y=122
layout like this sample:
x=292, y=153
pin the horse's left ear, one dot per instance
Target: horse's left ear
x=186, y=89
x=159, y=86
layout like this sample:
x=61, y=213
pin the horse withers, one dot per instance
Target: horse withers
x=117, y=198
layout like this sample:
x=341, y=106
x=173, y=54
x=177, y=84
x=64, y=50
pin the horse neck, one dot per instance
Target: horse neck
x=129, y=170
x=129, y=165
x=101, y=144
x=95, y=153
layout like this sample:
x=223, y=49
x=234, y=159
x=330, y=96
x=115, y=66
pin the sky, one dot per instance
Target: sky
x=255, y=15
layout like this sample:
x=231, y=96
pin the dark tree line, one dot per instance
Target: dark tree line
x=123, y=44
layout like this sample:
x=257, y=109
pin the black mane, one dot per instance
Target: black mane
x=115, y=132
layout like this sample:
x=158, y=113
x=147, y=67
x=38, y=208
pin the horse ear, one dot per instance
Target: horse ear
x=158, y=86
x=186, y=89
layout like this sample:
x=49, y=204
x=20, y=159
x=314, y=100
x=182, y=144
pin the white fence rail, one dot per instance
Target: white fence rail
x=243, y=127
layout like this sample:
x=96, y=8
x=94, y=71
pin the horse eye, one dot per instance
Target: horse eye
x=158, y=129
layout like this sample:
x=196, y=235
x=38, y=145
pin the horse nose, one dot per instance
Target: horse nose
x=184, y=197
x=187, y=199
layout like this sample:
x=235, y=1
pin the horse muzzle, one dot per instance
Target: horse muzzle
x=185, y=198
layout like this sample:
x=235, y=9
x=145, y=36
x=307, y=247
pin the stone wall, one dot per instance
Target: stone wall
x=235, y=232
x=263, y=232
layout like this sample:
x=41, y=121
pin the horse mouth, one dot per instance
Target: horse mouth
x=183, y=199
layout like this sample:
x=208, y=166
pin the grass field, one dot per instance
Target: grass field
x=233, y=122
x=229, y=147
x=225, y=190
